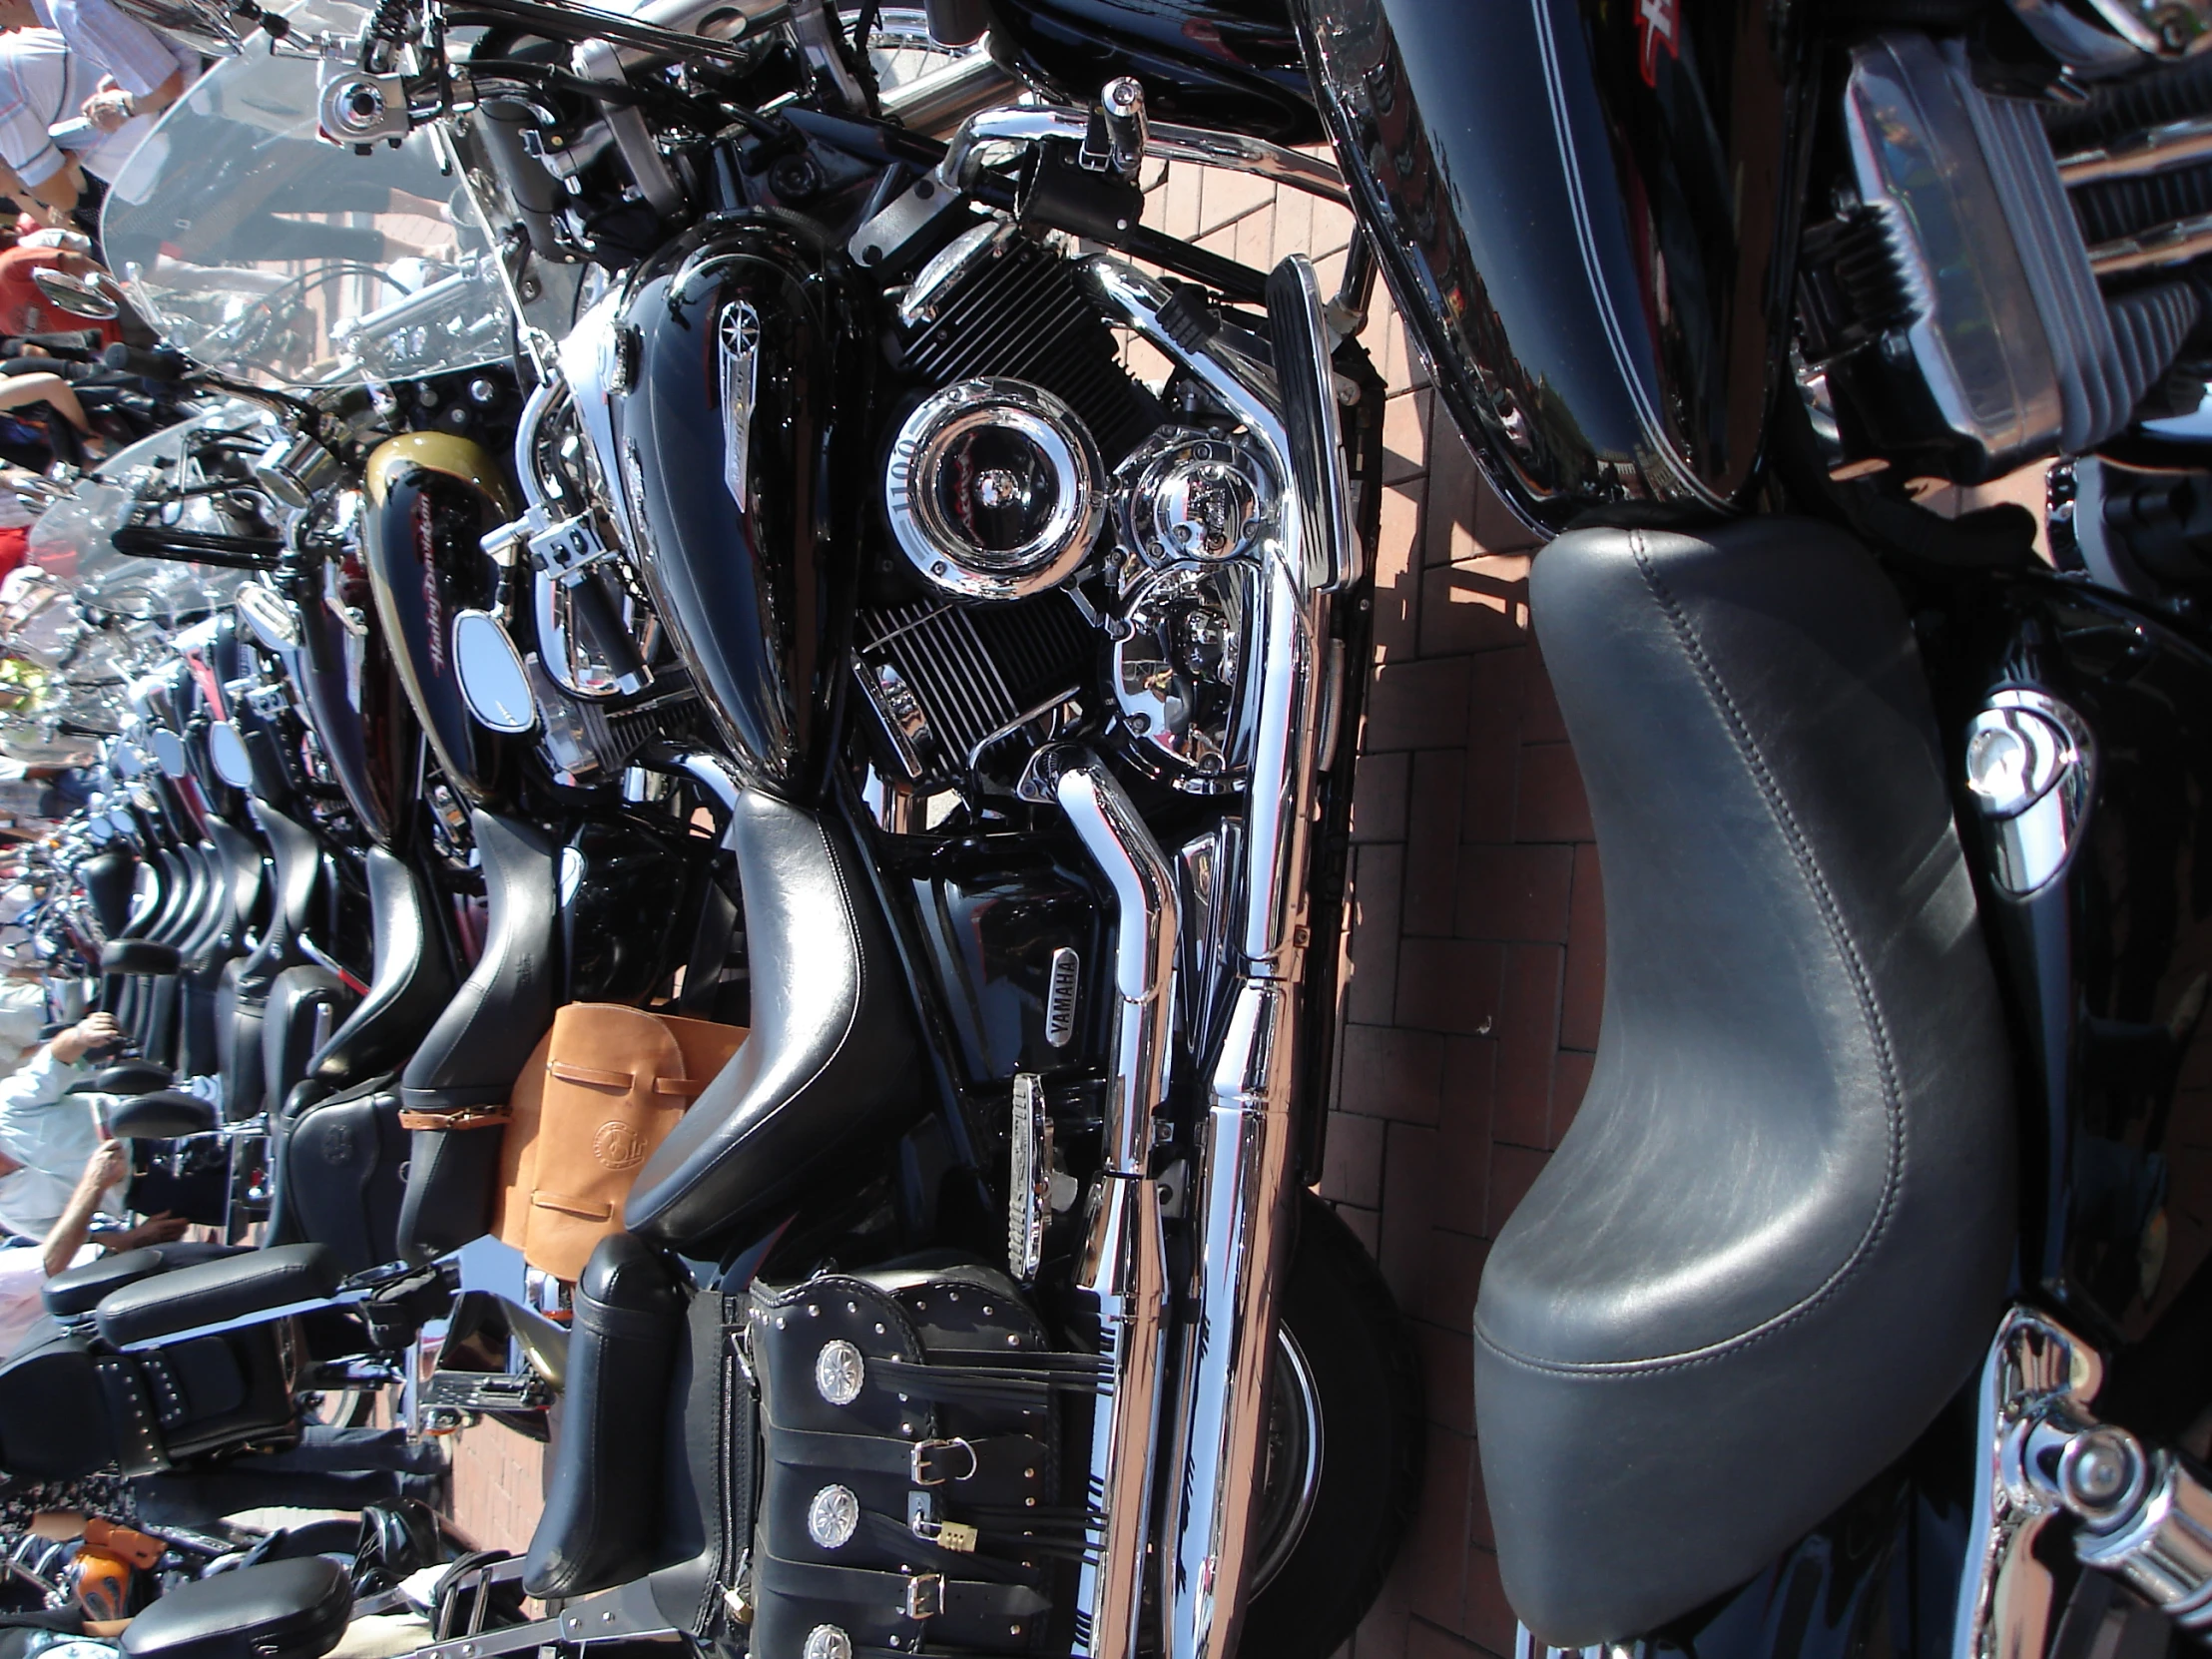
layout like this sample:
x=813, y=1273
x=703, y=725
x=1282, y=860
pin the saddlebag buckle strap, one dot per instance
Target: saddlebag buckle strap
x=925, y=1595
x=927, y=1466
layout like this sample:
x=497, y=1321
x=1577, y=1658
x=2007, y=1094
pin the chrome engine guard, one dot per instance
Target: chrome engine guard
x=2138, y=1514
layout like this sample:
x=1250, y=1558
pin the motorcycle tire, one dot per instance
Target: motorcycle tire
x=1334, y=1505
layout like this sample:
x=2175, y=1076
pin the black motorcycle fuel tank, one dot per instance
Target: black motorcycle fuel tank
x=737, y=416
x=1585, y=208
x=431, y=497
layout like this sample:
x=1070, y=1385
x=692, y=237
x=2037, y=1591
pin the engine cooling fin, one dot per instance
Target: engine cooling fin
x=2114, y=208
x=1015, y=311
x=949, y=680
x=2126, y=107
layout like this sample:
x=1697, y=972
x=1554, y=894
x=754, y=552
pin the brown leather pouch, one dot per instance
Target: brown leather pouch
x=600, y=1092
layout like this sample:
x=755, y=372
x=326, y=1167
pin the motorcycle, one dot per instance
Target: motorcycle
x=1009, y=693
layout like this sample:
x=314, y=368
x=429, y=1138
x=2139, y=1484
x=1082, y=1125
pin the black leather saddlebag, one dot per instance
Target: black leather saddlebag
x=911, y=1463
x=342, y=1178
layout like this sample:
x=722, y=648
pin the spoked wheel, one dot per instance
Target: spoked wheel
x=1341, y=1461
x=337, y=1407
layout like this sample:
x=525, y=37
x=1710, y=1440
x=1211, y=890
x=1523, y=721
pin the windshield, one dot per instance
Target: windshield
x=256, y=247
x=74, y=537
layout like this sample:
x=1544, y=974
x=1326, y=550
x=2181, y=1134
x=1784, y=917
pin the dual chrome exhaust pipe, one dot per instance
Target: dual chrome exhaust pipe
x=1207, y=1435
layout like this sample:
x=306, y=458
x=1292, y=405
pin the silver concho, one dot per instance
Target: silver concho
x=1194, y=496
x=2031, y=764
x=1175, y=666
x=826, y=1641
x=995, y=489
x=832, y=1517
x=839, y=1371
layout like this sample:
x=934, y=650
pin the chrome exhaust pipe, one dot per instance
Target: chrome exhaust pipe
x=1243, y=1188
x=1123, y=1266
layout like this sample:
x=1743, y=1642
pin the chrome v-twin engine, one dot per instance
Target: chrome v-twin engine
x=1083, y=550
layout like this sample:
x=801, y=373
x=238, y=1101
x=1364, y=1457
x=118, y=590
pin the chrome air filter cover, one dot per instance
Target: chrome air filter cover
x=995, y=489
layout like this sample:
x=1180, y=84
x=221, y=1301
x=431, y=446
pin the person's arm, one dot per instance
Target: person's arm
x=18, y=389
x=62, y=188
x=112, y=106
x=106, y=1168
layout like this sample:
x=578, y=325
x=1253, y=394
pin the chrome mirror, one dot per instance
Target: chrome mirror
x=271, y=617
x=168, y=752
x=226, y=754
x=95, y=294
x=489, y=668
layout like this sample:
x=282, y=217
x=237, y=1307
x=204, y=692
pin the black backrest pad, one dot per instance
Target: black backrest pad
x=831, y=1051
x=273, y=1610
x=475, y=1052
x=408, y=987
x=1774, y=1241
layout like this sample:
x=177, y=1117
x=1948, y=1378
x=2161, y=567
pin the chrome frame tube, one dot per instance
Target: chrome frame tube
x=1123, y=1266
x=1243, y=1188
x=1202, y=145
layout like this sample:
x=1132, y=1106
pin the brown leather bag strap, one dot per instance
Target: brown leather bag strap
x=589, y=1209
x=570, y=1072
x=689, y=1087
x=471, y=1117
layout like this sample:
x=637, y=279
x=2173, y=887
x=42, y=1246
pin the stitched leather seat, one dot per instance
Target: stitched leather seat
x=229, y=1289
x=295, y=1609
x=832, y=1053
x=1774, y=1241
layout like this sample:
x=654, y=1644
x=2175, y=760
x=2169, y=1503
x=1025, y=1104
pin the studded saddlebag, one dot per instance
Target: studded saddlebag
x=909, y=1430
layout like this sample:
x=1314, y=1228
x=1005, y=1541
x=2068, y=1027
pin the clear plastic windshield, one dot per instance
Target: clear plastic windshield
x=258, y=248
x=74, y=537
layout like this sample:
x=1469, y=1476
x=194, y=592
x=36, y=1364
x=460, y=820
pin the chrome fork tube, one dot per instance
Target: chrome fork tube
x=1243, y=1190
x=1123, y=1266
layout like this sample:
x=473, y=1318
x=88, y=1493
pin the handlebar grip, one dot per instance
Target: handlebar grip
x=161, y=364
x=600, y=624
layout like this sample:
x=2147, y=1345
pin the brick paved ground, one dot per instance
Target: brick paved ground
x=1475, y=970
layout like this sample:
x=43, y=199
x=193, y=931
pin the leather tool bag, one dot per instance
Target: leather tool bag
x=600, y=1092
x=911, y=1459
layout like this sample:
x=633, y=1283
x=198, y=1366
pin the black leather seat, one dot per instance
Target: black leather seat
x=229, y=1288
x=832, y=1055
x=110, y=880
x=1774, y=1241
x=295, y=1609
x=474, y=1054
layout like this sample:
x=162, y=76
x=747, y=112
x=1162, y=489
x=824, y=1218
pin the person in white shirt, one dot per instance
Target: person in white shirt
x=25, y=1268
x=141, y=72
x=44, y=85
x=46, y=1132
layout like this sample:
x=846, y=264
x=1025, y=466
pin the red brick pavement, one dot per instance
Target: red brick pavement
x=1475, y=952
